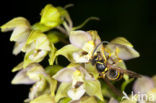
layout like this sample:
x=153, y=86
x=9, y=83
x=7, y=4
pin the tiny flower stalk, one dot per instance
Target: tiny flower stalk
x=80, y=81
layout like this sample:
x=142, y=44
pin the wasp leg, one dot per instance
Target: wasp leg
x=112, y=87
x=117, y=55
x=103, y=54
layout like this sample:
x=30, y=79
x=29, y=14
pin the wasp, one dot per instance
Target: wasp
x=109, y=70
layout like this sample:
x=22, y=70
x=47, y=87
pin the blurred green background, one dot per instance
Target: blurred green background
x=132, y=19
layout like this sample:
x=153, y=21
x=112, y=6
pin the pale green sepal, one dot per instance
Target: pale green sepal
x=50, y=16
x=52, y=83
x=15, y=22
x=51, y=70
x=123, y=47
x=65, y=100
x=66, y=51
x=92, y=70
x=40, y=27
x=56, y=37
x=93, y=88
x=18, y=67
x=40, y=39
x=21, y=28
x=46, y=98
x=88, y=100
x=52, y=54
x=122, y=65
x=62, y=91
x=121, y=41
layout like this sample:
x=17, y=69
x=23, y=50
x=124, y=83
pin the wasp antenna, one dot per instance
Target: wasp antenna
x=103, y=42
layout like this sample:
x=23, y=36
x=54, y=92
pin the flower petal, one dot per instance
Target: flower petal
x=40, y=39
x=18, y=47
x=141, y=86
x=95, y=37
x=79, y=38
x=36, y=89
x=22, y=78
x=79, y=58
x=34, y=56
x=76, y=93
x=64, y=75
x=124, y=52
x=35, y=72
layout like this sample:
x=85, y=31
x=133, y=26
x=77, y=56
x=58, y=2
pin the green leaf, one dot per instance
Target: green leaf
x=62, y=91
x=44, y=99
x=50, y=16
x=93, y=88
x=51, y=70
x=66, y=51
x=40, y=27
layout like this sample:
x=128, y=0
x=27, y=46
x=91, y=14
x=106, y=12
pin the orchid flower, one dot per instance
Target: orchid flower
x=76, y=82
x=145, y=86
x=21, y=30
x=36, y=75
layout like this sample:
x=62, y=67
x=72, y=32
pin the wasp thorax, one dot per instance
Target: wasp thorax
x=100, y=66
